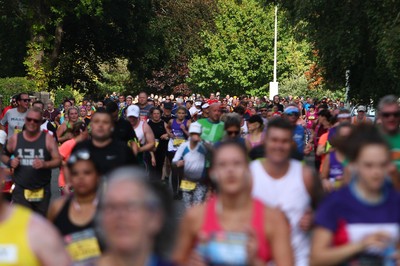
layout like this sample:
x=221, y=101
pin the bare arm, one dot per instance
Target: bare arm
x=46, y=243
x=52, y=147
x=60, y=131
x=10, y=147
x=149, y=136
x=186, y=236
x=278, y=234
x=322, y=252
x=55, y=208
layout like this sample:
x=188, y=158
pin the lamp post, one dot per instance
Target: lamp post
x=273, y=86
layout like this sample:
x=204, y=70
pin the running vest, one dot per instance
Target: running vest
x=211, y=225
x=211, y=132
x=81, y=242
x=14, y=242
x=291, y=196
x=24, y=174
x=179, y=135
x=335, y=167
x=140, y=133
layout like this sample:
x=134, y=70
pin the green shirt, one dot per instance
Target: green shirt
x=394, y=142
x=211, y=132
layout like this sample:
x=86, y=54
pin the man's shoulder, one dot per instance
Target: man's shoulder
x=86, y=144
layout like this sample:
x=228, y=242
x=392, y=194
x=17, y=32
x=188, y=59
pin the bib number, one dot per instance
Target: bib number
x=187, y=185
x=35, y=195
x=84, y=249
x=8, y=254
x=178, y=142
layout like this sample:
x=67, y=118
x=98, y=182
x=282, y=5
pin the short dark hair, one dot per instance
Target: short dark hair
x=103, y=111
x=280, y=123
x=18, y=98
x=363, y=135
x=38, y=102
x=111, y=107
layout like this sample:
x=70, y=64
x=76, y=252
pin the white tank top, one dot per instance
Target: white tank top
x=140, y=133
x=291, y=196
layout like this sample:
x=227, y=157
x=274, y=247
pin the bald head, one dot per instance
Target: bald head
x=215, y=112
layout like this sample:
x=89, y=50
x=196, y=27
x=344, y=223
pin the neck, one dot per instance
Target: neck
x=30, y=134
x=156, y=120
x=367, y=193
x=89, y=198
x=21, y=109
x=193, y=144
x=276, y=169
x=101, y=143
x=139, y=257
x=231, y=202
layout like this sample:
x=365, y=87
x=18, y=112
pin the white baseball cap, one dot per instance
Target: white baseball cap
x=133, y=110
x=195, y=128
x=361, y=108
x=205, y=106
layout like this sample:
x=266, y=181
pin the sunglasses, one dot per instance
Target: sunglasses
x=230, y=133
x=36, y=121
x=79, y=155
x=394, y=114
x=26, y=100
x=263, y=110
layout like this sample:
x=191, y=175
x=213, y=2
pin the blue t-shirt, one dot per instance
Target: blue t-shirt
x=351, y=219
x=299, y=138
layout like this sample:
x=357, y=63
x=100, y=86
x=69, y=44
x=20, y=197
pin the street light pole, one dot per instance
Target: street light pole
x=273, y=86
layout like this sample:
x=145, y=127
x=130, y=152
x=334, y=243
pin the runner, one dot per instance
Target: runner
x=256, y=132
x=15, y=117
x=74, y=215
x=159, y=128
x=213, y=128
x=246, y=231
x=107, y=153
x=133, y=219
x=287, y=184
x=80, y=133
x=144, y=106
x=359, y=224
x=178, y=133
x=361, y=116
x=52, y=114
x=46, y=125
x=64, y=131
x=191, y=155
x=27, y=238
x=35, y=154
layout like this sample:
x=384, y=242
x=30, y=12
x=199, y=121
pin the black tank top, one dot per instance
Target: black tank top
x=24, y=174
x=82, y=242
x=64, y=224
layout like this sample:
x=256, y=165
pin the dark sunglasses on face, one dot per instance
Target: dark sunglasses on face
x=26, y=100
x=394, y=114
x=36, y=121
x=235, y=133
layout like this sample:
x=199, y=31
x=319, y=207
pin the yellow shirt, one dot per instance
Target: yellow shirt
x=14, y=242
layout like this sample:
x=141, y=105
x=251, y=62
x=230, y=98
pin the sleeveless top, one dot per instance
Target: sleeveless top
x=289, y=194
x=180, y=136
x=81, y=241
x=24, y=174
x=158, y=129
x=244, y=130
x=256, y=143
x=14, y=242
x=335, y=167
x=140, y=133
x=211, y=225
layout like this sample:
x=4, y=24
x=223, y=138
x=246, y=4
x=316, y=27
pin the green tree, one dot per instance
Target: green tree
x=361, y=37
x=238, y=55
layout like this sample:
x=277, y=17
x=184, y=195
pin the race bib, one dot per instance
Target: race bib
x=187, y=185
x=8, y=254
x=178, y=142
x=83, y=246
x=17, y=130
x=157, y=143
x=35, y=195
x=225, y=248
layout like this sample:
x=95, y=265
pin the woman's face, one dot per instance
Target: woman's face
x=73, y=115
x=232, y=132
x=181, y=114
x=372, y=166
x=84, y=177
x=156, y=115
x=231, y=170
x=253, y=127
x=82, y=112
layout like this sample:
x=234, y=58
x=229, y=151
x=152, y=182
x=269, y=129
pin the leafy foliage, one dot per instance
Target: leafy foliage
x=12, y=86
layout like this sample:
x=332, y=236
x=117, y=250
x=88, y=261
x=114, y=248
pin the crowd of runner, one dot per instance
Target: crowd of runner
x=292, y=181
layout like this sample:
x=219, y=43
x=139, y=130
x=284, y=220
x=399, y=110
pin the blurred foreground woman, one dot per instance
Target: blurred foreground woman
x=359, y=224
x=232, y=228
x=132, y=219
x=74, y=214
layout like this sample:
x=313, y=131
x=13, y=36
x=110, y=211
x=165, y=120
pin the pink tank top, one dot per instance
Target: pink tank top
x=211, y=225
